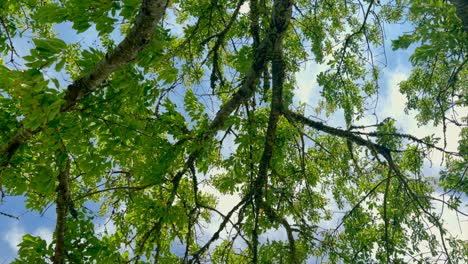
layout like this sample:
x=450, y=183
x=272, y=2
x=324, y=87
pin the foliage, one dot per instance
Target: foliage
x=198, y=103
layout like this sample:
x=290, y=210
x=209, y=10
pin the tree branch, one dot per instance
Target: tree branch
x=292, y=116
x=385, y=216
x=377, y=149
x=115, y=188
x=462, y=12
x=289, y=232
x=279, y=22
x=150, y=13
x=220, y=37
x=63, y=202
x=223, y=224
x=409, y=137
x=9, y=37
x=9, y=215
x=278, y=75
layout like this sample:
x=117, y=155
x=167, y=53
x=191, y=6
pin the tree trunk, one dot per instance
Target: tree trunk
x=63, y=196
x=462, y=12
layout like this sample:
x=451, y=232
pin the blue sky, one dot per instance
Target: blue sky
x=391, y=103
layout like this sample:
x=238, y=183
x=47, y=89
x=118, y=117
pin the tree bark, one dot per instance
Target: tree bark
x=63, y=201
x=462, y=12
x=278, y=76
x=150, y=13
x=278, y=25
x=282, y=12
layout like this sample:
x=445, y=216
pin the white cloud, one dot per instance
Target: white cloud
x=229, y=145
x=391, y=104
x=14, y=236
x=45, y=233
x=108, y=226
x=245, y=8
x=394, y=103
x=308, y=89
x=225, y=202
x=278, y=234
x=454, y=223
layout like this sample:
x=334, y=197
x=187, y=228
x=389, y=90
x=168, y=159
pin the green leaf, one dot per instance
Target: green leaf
x=50, y=13
x=52, y=45
x=60, y=64
x=168, y=75
x=404, y=41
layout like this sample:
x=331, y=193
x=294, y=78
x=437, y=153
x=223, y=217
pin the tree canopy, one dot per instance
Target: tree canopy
x=179, y=104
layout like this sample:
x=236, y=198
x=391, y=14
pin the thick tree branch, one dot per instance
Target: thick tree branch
x=376, y=149
x=216, y=72
x=292, y=244
x=254, y=16
x=409, y=137
x=278, y=26
x=63, y=202
x=289, y=232
x=150, y=13
x=279, y=23
x=462, y=12
x=292, y=116
x=385, y=217
x=278, y=74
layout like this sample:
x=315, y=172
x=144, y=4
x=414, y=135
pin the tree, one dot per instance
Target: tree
x=143, y=126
